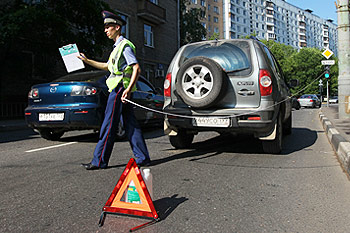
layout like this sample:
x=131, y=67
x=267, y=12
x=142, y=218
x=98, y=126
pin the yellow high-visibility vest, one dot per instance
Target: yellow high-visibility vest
x=113, y=66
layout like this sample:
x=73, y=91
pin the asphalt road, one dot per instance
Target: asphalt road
x=221, y=184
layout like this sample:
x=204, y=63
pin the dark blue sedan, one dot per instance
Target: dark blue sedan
x=77, y=102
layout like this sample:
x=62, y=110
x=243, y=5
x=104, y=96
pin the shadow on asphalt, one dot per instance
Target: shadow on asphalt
x=148, y=133
x=167, y=205
x=300, y=139
x=17, y=135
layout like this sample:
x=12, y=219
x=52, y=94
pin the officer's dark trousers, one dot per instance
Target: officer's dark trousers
x=114, y=109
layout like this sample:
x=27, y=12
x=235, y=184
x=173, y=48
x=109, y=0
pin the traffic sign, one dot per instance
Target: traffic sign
x=327, y=53
x=328, y=62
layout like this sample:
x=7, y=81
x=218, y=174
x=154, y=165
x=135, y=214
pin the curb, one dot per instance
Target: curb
x=340, y=145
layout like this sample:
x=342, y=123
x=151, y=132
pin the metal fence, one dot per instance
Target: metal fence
x=10, y=110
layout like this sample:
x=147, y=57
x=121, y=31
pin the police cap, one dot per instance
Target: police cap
x=109, y=17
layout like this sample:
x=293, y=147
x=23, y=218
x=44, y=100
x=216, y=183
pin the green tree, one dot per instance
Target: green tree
x=45, y=26
x=215, y=36
x=191, y=29
x=307, y=68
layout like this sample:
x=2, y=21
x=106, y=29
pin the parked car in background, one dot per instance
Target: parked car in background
x=333, y=100
x=77, y=102
x=234, y=86
x=309, y=101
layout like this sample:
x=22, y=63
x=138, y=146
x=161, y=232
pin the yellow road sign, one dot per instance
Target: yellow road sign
x=327, y=53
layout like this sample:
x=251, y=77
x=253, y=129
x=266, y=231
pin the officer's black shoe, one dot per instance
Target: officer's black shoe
x=89, y=166
x=144, y=163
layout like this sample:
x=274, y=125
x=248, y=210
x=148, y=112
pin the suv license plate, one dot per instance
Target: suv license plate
x=211, y=122
x=51, y=116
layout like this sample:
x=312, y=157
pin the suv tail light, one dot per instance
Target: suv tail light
x=265, y=83
x=167, y=85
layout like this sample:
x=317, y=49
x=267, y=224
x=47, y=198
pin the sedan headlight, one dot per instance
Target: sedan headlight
x=83, y=90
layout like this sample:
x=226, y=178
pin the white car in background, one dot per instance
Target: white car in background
x=333, y=100
x=309, y=101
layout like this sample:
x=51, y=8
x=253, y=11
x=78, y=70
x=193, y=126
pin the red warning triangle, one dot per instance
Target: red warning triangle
x=117, y=202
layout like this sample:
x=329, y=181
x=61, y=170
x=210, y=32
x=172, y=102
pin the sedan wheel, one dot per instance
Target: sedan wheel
x=51, y=134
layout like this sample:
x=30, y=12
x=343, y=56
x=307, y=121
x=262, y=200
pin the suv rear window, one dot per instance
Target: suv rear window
x=232, y=57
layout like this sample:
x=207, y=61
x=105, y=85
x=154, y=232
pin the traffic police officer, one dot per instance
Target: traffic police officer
x=124, y=72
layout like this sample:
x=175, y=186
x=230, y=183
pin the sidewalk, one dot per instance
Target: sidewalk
x=338, y=133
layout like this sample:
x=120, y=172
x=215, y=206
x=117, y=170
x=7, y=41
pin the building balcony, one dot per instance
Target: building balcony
x=271, y=36
x=301, y=18
x=302, y=40
x=151, y=12
x=302, y=32
x=269, y=5
x=303, y=44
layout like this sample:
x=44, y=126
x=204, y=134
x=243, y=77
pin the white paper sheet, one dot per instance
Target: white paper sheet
x=69, y=55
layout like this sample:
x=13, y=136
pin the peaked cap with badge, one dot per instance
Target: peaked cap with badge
x=109, y=17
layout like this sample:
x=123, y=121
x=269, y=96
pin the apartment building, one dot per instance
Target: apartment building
x=268, y=19
x=280, y=21
x=212, y=18
x=153, y=26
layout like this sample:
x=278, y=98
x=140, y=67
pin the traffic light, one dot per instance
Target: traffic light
x=326, y=72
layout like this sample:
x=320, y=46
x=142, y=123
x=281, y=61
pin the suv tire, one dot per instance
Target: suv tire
x=201, y=82
x=182, y=140
x=274, y=146
x=287, y=125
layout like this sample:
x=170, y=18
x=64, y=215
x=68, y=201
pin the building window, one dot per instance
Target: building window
x=216, y=10
x=154, y=1
x=148, y=35
x=194, y=1
x=202, y=2
x=125, y=29
x=216, y=19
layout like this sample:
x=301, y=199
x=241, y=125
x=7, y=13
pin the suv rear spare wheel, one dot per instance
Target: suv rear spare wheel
x=201, y=82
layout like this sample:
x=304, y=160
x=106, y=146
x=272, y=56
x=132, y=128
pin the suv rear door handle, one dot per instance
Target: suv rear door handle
x=246, y=92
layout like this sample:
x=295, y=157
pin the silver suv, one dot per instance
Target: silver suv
x=225, y=86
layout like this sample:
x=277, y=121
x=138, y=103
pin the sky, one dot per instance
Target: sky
x=322, y=8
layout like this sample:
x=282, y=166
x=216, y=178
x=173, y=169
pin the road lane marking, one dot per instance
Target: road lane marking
x=50, y=147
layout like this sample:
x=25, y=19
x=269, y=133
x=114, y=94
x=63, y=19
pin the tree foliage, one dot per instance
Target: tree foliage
x=191, y=29
x=305, y=66
x=44, y=26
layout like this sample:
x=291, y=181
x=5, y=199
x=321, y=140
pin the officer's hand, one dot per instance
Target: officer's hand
x=126, y=95
x=82, y=57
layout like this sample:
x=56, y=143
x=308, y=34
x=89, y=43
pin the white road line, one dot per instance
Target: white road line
x=50, y=147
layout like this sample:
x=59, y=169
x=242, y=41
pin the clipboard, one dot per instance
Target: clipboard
x=69, y=55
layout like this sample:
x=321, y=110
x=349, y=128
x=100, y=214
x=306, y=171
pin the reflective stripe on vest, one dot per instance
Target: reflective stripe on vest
x=113, y=66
